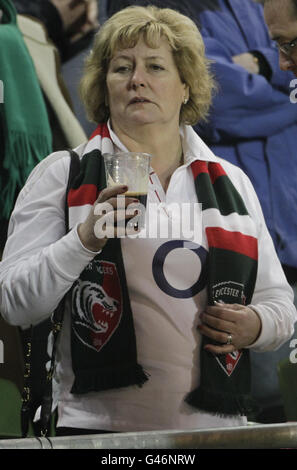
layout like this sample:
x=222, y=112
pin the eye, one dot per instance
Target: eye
x=156, y=67
x=122, y=69
x=285, y=47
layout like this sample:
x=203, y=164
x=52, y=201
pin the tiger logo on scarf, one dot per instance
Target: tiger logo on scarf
x=96, y=314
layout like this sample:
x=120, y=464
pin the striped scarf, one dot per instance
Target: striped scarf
x=103, y=342
x=232, y=271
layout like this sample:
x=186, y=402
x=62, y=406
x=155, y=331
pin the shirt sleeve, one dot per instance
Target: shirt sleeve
x=273, y=297
x=279, y=79
x=40, y=261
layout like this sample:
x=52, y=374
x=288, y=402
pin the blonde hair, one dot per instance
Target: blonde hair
x=122, y=31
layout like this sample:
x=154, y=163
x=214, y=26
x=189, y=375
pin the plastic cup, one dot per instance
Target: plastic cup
x=131, y=169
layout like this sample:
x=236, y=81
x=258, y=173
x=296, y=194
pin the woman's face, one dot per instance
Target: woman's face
x=144, y=86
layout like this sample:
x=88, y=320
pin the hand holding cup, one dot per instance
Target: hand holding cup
x=105, y=210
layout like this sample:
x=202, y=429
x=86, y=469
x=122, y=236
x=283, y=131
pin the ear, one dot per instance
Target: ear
x=186, y=93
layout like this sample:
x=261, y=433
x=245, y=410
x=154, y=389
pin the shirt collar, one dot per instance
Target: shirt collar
x=193, y=146
x=119, y=147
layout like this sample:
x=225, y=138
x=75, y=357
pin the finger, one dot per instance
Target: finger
x=224, y=349
x=111, y=218
x=114, y=210
x=226, y=312
x=219, y=336
x=112, y=225
x=111, y=191
x=231, y=306
x=122, y=215
x=102, y=208
x=217, y=323
x=120, y=202
x=127, y=201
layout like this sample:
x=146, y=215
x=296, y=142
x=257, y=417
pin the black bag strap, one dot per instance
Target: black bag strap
x=57, y=321
x=57, y=317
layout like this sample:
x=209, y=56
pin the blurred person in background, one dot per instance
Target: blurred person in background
x=25, y=134
x=69, y=23
x=281, y=19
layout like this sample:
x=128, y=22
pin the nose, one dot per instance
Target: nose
x=285, y=62
x=138, y=78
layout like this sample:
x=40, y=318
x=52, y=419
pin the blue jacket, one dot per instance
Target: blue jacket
x=253, y=124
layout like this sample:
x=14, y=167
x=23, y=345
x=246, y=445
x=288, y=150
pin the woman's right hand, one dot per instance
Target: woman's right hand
x=106, y=206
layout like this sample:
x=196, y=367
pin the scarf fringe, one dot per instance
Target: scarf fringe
x=221, y=404
x=22, y=153
x=93, y=380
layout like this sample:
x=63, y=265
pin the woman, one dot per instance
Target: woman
x=156, y=332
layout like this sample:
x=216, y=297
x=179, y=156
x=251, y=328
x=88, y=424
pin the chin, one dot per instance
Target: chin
x=142, y=119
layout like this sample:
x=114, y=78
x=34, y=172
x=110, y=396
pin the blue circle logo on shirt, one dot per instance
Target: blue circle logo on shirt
x=158, y=268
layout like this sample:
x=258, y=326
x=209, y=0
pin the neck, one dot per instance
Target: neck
x=163, y=144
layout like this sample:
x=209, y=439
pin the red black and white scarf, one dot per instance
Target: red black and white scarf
x=103, y=341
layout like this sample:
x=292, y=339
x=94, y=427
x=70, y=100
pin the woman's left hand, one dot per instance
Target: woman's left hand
x=221, y=320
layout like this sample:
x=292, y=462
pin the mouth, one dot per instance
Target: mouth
x=137, y=100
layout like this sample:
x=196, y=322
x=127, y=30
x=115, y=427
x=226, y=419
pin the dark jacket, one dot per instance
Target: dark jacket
x=253, y=123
